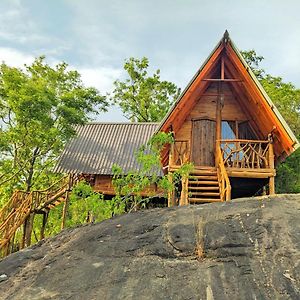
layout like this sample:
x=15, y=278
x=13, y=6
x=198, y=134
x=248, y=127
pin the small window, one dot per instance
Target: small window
x=228, y=132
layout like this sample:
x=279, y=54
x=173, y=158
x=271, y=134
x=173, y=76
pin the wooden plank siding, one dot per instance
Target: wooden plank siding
x=205, y=108
x=103, y=184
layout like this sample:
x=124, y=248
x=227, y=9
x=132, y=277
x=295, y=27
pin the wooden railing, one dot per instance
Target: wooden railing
x=180, y=153
x=252, y=154
x=22, y=204
x=224, y=182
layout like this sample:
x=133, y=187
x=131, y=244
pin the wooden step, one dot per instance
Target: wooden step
x=203, y=200
x=210, y=194
x=204, y=188
x=204, y=177
x=206, y=182
x=56, y=203
x=203, y=172
x=204, y=168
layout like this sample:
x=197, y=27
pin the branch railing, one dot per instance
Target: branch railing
x=253, y=154
x=180, y=152
x=22, y=203
x=224, y=182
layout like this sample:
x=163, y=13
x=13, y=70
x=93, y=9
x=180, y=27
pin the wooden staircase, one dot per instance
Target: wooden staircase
x=203, y=185
x=14, y=214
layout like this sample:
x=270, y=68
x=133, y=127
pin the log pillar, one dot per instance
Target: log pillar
x=45, y=218
x=184, y=192
x=28, y=226
x=65, y=211
x=171, y=192
x=272, y=166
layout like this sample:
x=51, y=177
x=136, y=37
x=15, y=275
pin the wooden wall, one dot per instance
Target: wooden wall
x=206, y=108
x=103, y=184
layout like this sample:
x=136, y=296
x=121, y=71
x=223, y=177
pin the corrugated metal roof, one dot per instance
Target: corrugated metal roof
x=98, y=146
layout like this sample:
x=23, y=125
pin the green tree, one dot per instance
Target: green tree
x=129, y=187
x=39, y=107
x=286, y=97
x=143, y=98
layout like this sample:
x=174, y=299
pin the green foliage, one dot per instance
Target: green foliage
x=87, y=205
x=286, y=97
x=39, y=106
x=130, y=186
x=253, y=60
x=143, y=98
x=288, y=174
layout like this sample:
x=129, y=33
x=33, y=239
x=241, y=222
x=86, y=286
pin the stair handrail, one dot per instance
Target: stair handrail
x=15, y=211
x=224, y=182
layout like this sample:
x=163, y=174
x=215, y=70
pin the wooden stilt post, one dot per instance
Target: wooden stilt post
x=272, y=166
x=66, y=204
x=45, y=218
x=171, y=193
x=65, y=211
x=28, y=226
x=184, y=192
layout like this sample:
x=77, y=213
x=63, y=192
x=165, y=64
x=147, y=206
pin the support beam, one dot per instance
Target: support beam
x=219, y=112
x=222, y=80
x=271, y=164
x=45, y=218
x=65, y=211
x=184, y=192
x=171, y=193
x=28, y=226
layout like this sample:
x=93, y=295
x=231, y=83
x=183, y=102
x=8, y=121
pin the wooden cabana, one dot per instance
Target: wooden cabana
x=223, y=122
x=228, y=127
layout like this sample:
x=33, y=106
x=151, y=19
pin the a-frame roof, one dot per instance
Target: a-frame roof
x=264, y=117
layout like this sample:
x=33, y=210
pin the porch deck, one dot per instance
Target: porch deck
x=235, y=161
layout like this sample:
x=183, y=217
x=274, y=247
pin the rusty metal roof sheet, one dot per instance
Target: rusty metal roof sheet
x=98, y=146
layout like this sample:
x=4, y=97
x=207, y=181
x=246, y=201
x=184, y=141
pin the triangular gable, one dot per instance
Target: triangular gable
x=264, y=115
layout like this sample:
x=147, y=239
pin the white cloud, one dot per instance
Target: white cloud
x=100, y=78
x=15, y=58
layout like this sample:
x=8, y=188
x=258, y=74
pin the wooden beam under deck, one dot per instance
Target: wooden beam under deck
x=250, y=173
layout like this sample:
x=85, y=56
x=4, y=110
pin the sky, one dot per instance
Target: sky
x=96, y=36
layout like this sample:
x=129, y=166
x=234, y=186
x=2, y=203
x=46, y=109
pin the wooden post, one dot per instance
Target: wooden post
x=272, y=166
x=171, y=193
x=45, y=217
x=219, y=117
x=171, y=155
x=28, y=226
x=218, y=114
x=184, y=192
x=65, y=210
x=228, y=193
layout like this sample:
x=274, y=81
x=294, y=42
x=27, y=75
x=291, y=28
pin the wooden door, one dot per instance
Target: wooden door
x=203, y=142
